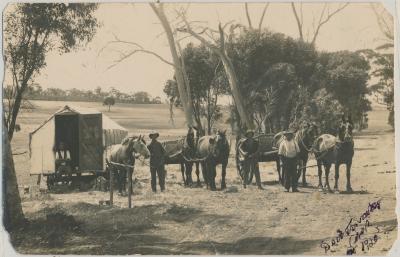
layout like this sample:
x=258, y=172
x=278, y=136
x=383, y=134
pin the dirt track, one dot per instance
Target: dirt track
x=234, y=221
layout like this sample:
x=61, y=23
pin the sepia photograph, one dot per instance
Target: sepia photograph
x=218, y=128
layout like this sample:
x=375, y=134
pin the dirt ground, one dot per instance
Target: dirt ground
x=197, y=221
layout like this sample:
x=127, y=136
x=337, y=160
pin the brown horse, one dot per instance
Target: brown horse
x=329, y=150
x=180, y=152
x=213, y=150
x=125, y=154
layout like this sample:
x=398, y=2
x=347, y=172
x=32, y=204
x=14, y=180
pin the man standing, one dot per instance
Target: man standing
x=248, y=148
x=288, y=151
x=157, y=160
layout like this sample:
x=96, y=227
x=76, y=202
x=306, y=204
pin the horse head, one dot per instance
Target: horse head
x=345, y=132
x=218, y=144
x=137, y=145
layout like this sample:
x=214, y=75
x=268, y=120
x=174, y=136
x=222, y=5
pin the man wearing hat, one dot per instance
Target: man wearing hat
x=288, y=151
x=248, y=148
x=157, y=159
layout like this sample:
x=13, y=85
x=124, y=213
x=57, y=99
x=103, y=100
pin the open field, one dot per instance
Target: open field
x=196, y=221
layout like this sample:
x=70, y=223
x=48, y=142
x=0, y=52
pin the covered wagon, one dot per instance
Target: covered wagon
x=86, y=133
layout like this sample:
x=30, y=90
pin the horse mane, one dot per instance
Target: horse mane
x=127, y=139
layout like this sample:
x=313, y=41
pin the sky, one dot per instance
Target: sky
x=353, y=28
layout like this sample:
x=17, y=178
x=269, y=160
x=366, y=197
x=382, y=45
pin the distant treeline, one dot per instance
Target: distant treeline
x=36, y=92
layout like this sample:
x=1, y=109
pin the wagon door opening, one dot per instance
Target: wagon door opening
x=67, y=131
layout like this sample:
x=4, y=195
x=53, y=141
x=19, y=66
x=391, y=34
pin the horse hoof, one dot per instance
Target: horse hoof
x=337, y=191
x=349, y=190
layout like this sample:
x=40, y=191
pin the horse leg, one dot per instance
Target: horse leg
x=119, y=181
x=183, y=173
x=189, y=167
x=304, y=172
x=223, y=175
x=212, y=175
x=319, y=164
x=204, y=172
x=198, y=174
x=348, y=169
x=124, y=181
x=337, y=167
x=327, y=170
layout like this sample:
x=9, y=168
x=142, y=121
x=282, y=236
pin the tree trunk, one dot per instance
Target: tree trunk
x=180, y=79
x=14, y=113
x=237, y=96
x=13, y=214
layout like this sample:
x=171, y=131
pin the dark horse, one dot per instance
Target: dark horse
x=181, y=152
x=213, y=150
x=338, y=150
x=125, y=154
x=305, y=138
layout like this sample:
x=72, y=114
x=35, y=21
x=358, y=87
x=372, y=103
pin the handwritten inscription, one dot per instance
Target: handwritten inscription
x=355, y=233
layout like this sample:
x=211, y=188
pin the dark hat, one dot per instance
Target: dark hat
x=154, y=134
x=249, y=131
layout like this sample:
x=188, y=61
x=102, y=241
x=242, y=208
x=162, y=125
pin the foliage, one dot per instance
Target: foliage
x=142, y=97
x=281, y=77
x=383, y=68
x=326, y=110
x=206, y=79
x=171, y=90
x=345, y=76
x=31, y=30
x=284, y=81
x=270, y=68
x=109, y=101
x=36, y=92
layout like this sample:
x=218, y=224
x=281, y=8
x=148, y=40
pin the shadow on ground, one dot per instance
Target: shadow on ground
x=84, y=228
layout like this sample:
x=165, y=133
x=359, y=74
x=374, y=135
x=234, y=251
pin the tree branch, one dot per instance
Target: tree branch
x=125, y=56
x=247, y=15
x=328, y=17
x=299, y=23
x=138, y=51
x=262, y=16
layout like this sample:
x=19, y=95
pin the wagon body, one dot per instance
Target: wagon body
x=267, y=152
x=173, y=151
x=87, y=134
x=267, y=147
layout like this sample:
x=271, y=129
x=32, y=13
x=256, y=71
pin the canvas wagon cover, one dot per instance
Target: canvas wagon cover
x=42, y=139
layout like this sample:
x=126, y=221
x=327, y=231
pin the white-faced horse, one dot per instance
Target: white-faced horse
x=125, y=154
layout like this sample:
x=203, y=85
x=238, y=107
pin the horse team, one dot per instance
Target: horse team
x=212, y=150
